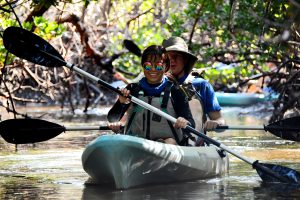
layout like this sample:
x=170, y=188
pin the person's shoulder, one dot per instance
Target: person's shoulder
x=199, y=80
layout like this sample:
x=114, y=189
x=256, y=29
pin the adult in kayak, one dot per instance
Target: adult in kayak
x=156, y=89
x=182, y=62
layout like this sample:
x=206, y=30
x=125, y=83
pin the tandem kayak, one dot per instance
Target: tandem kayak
x=124, y=161
x=242, y=99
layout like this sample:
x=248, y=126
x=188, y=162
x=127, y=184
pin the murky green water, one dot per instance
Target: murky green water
x=52, y=169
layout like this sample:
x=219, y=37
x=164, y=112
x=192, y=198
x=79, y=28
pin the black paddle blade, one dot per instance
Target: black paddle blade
x=31, y=47
x=132, y=47
x=24, y=131
x=288, y=128
x=287, y=175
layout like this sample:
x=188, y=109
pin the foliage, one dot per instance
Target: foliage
x=144, y=31
x=248, y=34
x=45, y=28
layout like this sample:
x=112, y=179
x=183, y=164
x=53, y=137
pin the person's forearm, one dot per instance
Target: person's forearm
x=117, y=111
x=215, y=119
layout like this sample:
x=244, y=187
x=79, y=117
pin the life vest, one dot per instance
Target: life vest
x=197, y=108
x=144, y=123
x=195, y=103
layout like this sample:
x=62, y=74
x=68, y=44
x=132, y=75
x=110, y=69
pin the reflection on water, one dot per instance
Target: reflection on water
x=189, y=190
x=226, y=188
x=52, y=169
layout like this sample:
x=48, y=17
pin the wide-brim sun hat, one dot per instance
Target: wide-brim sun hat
x=178, y=44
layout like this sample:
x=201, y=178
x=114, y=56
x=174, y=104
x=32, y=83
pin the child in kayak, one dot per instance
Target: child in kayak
x=155, y=89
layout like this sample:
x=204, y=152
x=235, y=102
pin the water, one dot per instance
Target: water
x=52, y=169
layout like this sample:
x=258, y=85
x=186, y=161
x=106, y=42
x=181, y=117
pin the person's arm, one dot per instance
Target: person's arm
x=215, y=119
x=206, y=93
x=118, y=110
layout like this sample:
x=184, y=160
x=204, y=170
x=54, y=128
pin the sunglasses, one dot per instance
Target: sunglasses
x=148, y=66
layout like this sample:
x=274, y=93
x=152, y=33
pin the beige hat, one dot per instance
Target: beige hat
x=178, y=44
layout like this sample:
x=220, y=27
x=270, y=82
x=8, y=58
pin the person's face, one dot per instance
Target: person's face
x=177, y=63
x=154, y=69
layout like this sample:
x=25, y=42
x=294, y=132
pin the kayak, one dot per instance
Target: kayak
x=242, y=99
x=124, y=161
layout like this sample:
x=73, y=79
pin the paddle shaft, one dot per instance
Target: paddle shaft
x=87, y=128
x=237, y=127
x=263, y=127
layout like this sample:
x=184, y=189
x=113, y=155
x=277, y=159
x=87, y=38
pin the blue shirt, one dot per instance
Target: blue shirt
x=206, y=92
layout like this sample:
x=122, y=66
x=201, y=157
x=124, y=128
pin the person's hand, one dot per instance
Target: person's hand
x=115, y=126
x=211, y=125
x=181, y=122
x=123, y=98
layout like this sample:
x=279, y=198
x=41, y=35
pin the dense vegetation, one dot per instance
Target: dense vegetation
x=253, y=40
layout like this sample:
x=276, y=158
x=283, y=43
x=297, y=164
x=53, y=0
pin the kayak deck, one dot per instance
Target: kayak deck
x=126, y=161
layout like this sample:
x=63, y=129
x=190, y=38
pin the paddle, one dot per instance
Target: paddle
x=132, y=47
x=28, y=130
x=288, y=129
x=24, y=131
x=41, y=52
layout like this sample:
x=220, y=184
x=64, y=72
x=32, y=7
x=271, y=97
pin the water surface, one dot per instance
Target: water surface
x=53, y=170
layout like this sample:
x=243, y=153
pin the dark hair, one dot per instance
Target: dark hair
x=156, y=50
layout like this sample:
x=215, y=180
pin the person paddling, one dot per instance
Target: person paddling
x=182, y=62
x=156, y=89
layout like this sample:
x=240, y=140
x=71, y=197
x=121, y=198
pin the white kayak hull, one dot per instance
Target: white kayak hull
x=126, y=161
